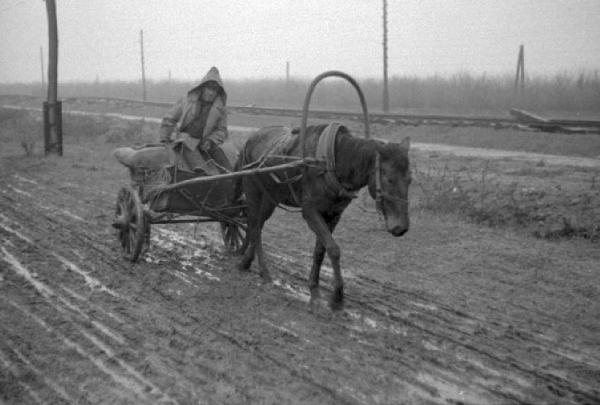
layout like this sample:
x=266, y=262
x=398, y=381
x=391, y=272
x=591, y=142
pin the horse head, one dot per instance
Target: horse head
x=389, y=183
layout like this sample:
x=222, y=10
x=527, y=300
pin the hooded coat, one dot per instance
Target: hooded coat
x=184, y=111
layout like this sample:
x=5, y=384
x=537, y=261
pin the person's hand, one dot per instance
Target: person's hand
x=206, y=145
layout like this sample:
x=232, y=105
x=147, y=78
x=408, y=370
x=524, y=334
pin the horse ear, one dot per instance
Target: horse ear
x=405, y=143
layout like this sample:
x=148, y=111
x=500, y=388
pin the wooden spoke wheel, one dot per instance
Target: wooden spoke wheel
x=234, y=237
x=133, y=228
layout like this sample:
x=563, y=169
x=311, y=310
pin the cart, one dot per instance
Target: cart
x=165, y=195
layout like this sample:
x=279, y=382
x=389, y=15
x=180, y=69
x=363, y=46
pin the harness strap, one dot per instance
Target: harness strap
x=326, y=151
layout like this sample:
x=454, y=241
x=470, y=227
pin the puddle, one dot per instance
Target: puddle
x=450, y=392
x=208, y=275
x=292, y=291
x=187, y=249
x=370, y=324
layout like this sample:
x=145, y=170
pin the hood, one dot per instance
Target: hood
x=214, y=76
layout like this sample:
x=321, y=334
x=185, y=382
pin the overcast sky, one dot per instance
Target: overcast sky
x=255, y=38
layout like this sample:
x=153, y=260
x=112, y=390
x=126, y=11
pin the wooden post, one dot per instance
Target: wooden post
x=386, y=97
x=287, y=75
x=53, y=110
x=143, y=68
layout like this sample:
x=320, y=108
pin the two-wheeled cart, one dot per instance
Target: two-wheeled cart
x=187, y=198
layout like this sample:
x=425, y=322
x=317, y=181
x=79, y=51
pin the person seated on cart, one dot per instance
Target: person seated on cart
x=199, y=122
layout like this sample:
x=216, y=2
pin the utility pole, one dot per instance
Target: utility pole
x=520, y=75
x=386, y=97
x=43, y=71
x=287, y=76
x=53, y=107
x=143, y=68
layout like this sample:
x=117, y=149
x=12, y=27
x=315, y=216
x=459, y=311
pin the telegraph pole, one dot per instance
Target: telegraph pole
x=520, y=75
x=287, y=73
x=143, y=69
x=43, y=71
x=53, y=107
x=386, y=97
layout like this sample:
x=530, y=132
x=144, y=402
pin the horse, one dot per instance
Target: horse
x=322, y=193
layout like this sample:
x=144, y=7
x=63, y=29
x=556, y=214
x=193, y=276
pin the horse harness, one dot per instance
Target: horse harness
x=326, y=152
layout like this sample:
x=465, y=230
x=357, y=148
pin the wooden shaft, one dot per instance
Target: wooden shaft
x=233, y=175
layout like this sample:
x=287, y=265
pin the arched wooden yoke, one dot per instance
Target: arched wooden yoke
x=311, y=88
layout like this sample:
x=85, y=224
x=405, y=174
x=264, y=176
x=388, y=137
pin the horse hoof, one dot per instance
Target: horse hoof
x=243, y=266
x=337, y=300
x=336, y=305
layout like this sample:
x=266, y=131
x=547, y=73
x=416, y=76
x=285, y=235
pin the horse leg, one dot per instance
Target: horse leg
x=260, y=208
x=318, y=256
x=248, y=256
x=318, y=225
x=253, y=198
x=266, y=210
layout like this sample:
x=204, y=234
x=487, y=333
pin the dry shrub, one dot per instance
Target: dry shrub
x=22, y=126
x=481, y=197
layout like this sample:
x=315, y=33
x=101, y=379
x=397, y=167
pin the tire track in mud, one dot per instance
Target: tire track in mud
x=70, y=312
x=80, y=326
x=387, y=343
x=496, y=355
x=91, y=284
x=280, y=363
x=492, y=364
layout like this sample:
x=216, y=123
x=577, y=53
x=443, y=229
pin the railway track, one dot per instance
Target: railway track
x=518, y=119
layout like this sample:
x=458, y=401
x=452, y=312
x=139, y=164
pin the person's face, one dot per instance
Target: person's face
x=209, y=93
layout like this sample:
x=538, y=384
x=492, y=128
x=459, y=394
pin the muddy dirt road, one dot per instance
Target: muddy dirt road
x=449, y=314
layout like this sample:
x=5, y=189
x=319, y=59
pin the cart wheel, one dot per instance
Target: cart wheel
x=234, y=237
x=133, y=228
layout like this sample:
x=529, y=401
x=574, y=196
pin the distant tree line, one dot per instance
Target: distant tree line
x=459, y=93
